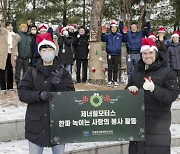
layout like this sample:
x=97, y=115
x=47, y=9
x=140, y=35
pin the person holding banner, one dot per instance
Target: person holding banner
x=160, y=90
x=36, y=89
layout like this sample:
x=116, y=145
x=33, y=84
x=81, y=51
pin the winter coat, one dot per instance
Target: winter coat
x=133, y=39
x=65, y=54
x=157, y=106
x=24, y=45
x=163, y=45
x=4, y=48
x=34, y=48
x=50, y=31
x=81, y=47
x=114, y=41
x=173, y=53
x=37, y=119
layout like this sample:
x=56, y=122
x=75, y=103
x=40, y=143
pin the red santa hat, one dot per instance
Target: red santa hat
x=152, y=35
x=161, y=30
x=175, y=33
x=72, y=26
x=45, y=39
x=113, y=23
x=61, y=29
x=43, y=27
x=147, y=43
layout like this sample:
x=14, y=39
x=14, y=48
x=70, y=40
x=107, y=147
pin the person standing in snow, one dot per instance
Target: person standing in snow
x=133, y=43
x=8, y=55
x=113, y=48
x=33, y=33
x=160, y=90
x=173, y=53
x=65, y=54
x=35, y=90
x=81, y=43
x=24, y=53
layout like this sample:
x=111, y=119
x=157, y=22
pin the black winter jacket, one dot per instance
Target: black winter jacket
x=37, y=119
x=173, y=54
x=81, y=47
x=157, y=106
x=65, y=44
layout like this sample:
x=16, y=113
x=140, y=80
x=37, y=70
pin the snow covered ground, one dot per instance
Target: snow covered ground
x=21, y=147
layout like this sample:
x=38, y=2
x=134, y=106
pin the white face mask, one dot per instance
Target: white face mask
x=47, y=56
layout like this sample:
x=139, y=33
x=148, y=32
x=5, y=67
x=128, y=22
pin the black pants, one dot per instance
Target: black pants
x=21, y=64
x=113, y=63
x=6, y=75
x=84, y=63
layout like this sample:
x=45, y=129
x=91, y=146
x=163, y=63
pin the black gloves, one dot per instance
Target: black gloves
x=45, y=96
x=56, y=76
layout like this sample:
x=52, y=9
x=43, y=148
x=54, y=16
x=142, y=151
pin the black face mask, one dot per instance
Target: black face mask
x=33, y=35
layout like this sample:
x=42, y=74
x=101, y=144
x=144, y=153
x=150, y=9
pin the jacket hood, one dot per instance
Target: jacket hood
x=161, y=61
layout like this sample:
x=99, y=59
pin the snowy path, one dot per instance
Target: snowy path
x=21, y=147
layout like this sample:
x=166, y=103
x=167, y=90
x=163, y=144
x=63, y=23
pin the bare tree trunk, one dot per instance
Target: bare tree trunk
x=84, y=12
x=125, y=12
x=96, y=73
x=4, y=4
x=65, y=13
x=141, y=17
x=34, y=8
x=128, y=13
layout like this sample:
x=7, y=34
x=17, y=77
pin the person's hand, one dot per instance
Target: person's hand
x=65, y=33
x=125, y=29
x=133, y=89
x=45, y=96
x=148, y=84
x=104, y=29
x=78, y=36
x=56, y=76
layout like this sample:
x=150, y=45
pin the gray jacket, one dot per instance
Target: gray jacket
x=173, y=54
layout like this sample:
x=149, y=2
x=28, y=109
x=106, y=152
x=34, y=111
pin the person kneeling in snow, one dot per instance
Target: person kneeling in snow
x=35, y=90
x=160, y=90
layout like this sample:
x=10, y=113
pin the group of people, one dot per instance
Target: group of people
x=20, y=50
x=153, y=65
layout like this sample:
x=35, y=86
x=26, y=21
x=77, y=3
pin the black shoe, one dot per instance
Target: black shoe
x=77, y=82
x=83, y=81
